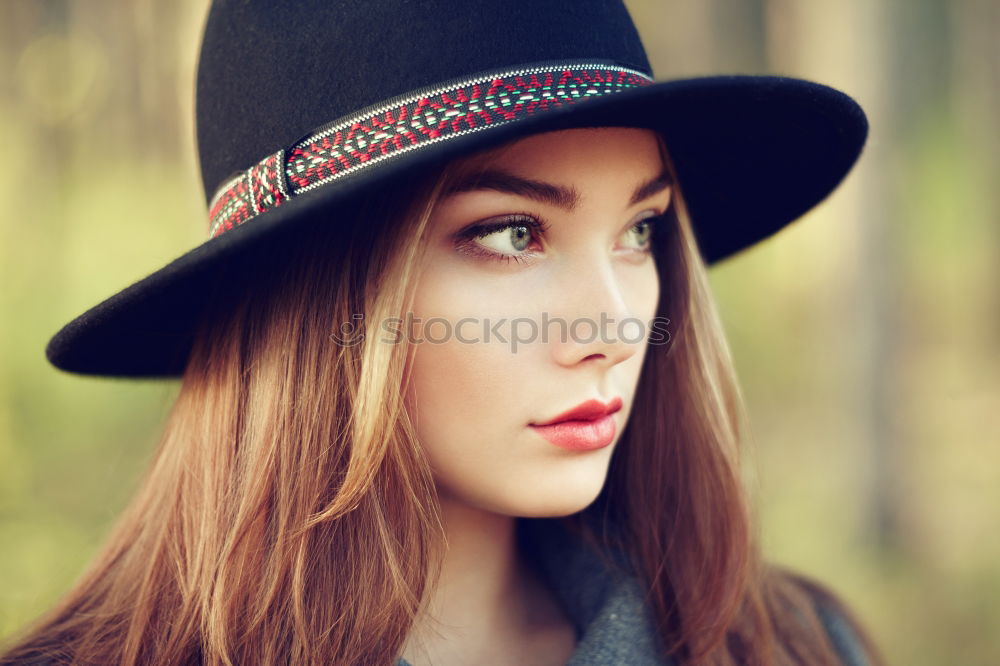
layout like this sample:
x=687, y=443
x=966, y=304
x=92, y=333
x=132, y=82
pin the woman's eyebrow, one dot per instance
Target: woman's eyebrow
x=556, y=195
x=651, y=187
x=503, y=181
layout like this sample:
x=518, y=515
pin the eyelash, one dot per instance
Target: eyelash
x=465, y=239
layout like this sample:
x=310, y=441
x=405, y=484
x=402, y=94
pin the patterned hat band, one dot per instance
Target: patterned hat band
x=415, y=120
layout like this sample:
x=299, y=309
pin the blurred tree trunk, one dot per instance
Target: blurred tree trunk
x=976, y=72
x=878, y=288
x=853, y=42
x=704, y=37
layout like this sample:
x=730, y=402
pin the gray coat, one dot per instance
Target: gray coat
x=613, y=625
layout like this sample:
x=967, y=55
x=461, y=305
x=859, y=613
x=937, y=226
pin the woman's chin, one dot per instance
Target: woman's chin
x=554, y=499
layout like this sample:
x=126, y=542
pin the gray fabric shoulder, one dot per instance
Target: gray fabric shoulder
x=843, y=637
x=621, y=632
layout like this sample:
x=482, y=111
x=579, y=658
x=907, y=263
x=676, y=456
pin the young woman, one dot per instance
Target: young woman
x=453, y=386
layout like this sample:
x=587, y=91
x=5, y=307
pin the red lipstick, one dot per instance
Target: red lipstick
x=588, y=426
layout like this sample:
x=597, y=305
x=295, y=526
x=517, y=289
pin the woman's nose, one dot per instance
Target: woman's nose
x=598, y=317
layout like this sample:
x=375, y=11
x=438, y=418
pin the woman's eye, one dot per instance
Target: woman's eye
x=517, y=238
x=506, y=238
x=510, y=237
x=639, y=234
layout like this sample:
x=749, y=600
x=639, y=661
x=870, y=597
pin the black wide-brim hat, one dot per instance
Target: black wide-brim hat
x=306, y=106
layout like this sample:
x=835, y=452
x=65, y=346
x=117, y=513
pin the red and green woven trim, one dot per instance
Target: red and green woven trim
x=420, y=119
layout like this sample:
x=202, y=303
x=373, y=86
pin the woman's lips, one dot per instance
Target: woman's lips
x=586, y=427
x=580, y=435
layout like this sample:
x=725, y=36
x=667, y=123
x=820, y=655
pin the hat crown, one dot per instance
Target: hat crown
x=271, y=72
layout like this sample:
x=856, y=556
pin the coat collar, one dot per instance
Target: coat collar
x=604, y=602
x=602, y=598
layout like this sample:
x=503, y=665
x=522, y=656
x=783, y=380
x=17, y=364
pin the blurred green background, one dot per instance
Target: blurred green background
x=866, y=334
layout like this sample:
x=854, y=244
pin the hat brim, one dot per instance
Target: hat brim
x=752, y=154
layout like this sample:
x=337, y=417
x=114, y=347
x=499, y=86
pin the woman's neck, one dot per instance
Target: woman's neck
x=489, y=606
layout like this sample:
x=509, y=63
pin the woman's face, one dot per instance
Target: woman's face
x=535, y=296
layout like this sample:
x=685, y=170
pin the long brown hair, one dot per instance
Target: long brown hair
x=289, y=516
